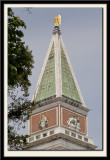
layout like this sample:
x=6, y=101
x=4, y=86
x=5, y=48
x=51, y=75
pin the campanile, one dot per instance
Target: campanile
x=59, y=121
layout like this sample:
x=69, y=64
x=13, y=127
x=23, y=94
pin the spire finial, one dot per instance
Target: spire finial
x=57, y=20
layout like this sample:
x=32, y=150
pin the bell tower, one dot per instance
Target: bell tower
x=59, y=121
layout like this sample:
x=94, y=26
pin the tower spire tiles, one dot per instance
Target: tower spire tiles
x=57, y=77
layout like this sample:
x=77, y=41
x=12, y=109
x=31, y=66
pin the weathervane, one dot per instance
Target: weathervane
x=57, y=20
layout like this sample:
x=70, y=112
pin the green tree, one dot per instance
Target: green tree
x=20, y=64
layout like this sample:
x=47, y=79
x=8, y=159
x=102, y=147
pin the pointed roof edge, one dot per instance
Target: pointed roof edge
x=70, y=66
x=73, y=74
x=43, y=68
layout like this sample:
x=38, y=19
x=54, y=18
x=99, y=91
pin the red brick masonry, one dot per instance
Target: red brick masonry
x=82, y=119
x=50, y=114
x=53, y=119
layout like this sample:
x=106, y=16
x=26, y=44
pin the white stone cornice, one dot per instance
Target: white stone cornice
x=61, y=103
x=61, y=133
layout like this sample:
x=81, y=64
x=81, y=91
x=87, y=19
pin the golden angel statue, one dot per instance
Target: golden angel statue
x=57, y=20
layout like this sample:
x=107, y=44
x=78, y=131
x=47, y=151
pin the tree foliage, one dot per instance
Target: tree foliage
x=20, y=59
x=20, y=64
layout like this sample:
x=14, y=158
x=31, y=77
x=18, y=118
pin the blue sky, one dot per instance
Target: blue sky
x=81, y=30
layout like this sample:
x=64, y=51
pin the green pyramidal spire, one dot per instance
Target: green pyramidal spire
x=57, y=78
x=47, y=84
x=69, y=88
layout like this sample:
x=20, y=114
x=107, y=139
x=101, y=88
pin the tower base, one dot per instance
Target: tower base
x=59, y=139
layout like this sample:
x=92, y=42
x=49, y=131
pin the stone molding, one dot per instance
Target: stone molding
x=58, y=101
x=57, y=136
